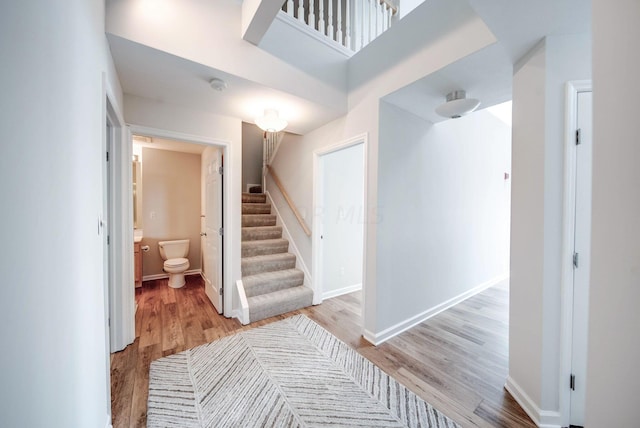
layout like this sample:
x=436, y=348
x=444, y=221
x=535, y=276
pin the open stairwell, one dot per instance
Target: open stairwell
x=271, y=282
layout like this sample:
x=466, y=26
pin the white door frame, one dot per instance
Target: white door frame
x=568, y=239
x=316, y=242
x=121, y=293
x=228, y=219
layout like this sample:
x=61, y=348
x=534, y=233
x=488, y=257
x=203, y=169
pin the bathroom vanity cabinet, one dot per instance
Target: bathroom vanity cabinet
x=137, y=263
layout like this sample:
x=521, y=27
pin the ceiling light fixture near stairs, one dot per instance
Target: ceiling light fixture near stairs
x=457, y=105
x=271, y=121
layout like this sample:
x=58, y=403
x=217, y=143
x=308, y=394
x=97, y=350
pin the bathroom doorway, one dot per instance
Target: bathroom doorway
x=177, y=176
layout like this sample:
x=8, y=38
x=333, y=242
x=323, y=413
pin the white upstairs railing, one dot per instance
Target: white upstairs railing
x=351, y=23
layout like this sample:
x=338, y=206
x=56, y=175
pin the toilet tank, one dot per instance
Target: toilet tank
x=174, y=249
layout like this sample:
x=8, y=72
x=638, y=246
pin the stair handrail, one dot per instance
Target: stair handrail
x=276, y=180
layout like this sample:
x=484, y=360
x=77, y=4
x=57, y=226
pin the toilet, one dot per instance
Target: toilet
x=174, y=254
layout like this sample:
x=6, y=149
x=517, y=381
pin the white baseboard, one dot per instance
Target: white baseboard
x=542, y=418
x=341, y=291
x=386, y=334
x=166, y=275
x=108, y=424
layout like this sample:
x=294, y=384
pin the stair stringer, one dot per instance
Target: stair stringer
x=308, y=280
x=242, y=314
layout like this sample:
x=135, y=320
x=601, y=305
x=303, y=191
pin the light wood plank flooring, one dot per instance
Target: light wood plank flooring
x=457, y=360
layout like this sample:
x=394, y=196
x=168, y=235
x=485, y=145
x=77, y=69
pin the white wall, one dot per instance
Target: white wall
x=527, y=224
x=209, y=33
x=342, y=214
x=613, y=379
x=406, y=6
x=52, y=308
x=444, y=218
x=166, y=117
x=371, y=77
x=537, y=215
x=294, y=166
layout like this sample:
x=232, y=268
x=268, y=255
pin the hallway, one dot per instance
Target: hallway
x=457, y=361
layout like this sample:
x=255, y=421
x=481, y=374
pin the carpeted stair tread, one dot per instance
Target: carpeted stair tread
x=279, y=302
x=263, y=247
x=263, y=232
x=256, y=208
x=267, y=263
x=268, y=282
x=254, y=198
x=257, y=220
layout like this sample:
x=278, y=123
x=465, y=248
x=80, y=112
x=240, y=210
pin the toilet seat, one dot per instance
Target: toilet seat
x=176, y=263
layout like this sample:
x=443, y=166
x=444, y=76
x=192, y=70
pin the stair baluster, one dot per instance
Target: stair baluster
x=339, y=22
x=347, y=27
x=330, y=32
x=312, y=16
x=321, y=22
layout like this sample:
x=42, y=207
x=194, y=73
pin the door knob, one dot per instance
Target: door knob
x=203, y=233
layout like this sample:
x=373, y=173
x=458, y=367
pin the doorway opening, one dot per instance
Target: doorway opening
x=576, y=251
x=339, y=219
x=179, y=196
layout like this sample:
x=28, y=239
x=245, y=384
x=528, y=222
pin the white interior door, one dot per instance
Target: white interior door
x=582, y=259
x=212, y=236
x=342, y=225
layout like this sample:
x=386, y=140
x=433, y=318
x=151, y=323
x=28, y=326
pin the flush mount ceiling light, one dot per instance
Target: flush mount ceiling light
x=271, y=121
x=218, y=84
x=457, y=105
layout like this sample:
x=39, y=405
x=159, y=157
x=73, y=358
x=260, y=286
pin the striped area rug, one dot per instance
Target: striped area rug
x=291, y=373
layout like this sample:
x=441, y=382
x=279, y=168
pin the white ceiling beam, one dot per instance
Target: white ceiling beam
x=257, y=16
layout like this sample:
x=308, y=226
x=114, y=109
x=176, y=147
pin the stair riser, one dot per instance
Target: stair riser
x=256, y=288
x=264, y=250
x=254, y=268
x=289, y=303
x=256, y=209
x=251, y=234
x=254, y=198
x=257, y=220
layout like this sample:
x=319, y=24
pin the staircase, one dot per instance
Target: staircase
x=272, y=283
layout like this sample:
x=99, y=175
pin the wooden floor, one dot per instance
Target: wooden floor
x=457, y=360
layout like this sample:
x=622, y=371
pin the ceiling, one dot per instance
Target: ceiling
x=487, y=74
x=157, y=75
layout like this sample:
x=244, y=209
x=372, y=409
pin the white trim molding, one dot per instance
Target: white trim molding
x=542, y=418
x=120, y=291
x=568, y=239
x=231, y=203
x=242, y=313
x=341, y=291
x=386, y=334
